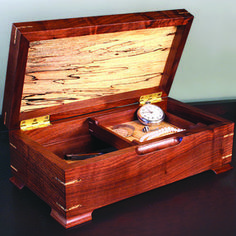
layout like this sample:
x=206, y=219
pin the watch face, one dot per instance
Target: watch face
x=150, y=113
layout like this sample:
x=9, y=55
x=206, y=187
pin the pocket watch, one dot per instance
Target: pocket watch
x=150, y=114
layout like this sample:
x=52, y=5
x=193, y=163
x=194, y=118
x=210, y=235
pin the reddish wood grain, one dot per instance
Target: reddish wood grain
x=174, y=56
x=15, y=78
x=78, y=188
x=51, y=29
x=75, y=189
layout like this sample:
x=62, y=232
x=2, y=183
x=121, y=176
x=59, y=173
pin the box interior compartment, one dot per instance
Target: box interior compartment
x=96, y=135
x=75, y=139
x=122, y=128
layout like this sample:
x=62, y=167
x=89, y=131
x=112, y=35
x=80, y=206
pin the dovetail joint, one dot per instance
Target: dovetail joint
x=25, y=26
x=69, y=209
x=15, y=36
x=227, y=156
x=13, y=146
x=13, y=168
x=228, y=135
x=68, y=183
x=5, y=118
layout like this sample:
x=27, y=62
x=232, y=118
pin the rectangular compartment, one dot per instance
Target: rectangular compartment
x=121, y=128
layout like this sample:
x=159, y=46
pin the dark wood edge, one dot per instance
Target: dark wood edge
x=193, y=113
x=71, y=221
x=175, y=55
x=96, y=104
x=14, y=78
x=17, y=182
x=42, y=30
x=223, y=169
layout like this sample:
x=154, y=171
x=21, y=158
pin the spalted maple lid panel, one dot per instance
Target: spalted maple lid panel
x=60, y=71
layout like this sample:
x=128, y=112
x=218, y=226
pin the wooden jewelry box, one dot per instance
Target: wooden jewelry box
x=74, y=87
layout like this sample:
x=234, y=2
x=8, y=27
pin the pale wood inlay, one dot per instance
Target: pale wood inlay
x=138, y=133
x=61, y=71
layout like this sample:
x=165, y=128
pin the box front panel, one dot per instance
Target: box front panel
x=127, y=174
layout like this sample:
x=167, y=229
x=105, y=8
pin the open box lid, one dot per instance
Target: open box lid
x=70, y=67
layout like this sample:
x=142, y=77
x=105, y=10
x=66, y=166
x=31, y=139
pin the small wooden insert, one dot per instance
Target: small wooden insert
x=135, y=131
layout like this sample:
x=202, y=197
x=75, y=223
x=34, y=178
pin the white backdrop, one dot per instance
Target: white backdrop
x=206, y=70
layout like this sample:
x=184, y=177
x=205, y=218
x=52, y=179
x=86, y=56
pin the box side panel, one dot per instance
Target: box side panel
x=43, y=179
x=193, y=114
x=223, y=145
x=35, y=167
x=19, y=168
x=127, y=174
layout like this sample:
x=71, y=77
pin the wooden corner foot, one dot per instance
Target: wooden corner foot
x=72, y=221
x=17, y=182
x=222, y=169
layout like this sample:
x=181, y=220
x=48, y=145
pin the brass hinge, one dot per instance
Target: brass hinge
x=35, y=123
x=150, y=98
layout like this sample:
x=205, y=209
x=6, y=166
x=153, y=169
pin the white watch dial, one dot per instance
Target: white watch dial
x=149, y=114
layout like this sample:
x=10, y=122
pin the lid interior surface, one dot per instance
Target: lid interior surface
x=66, y=70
